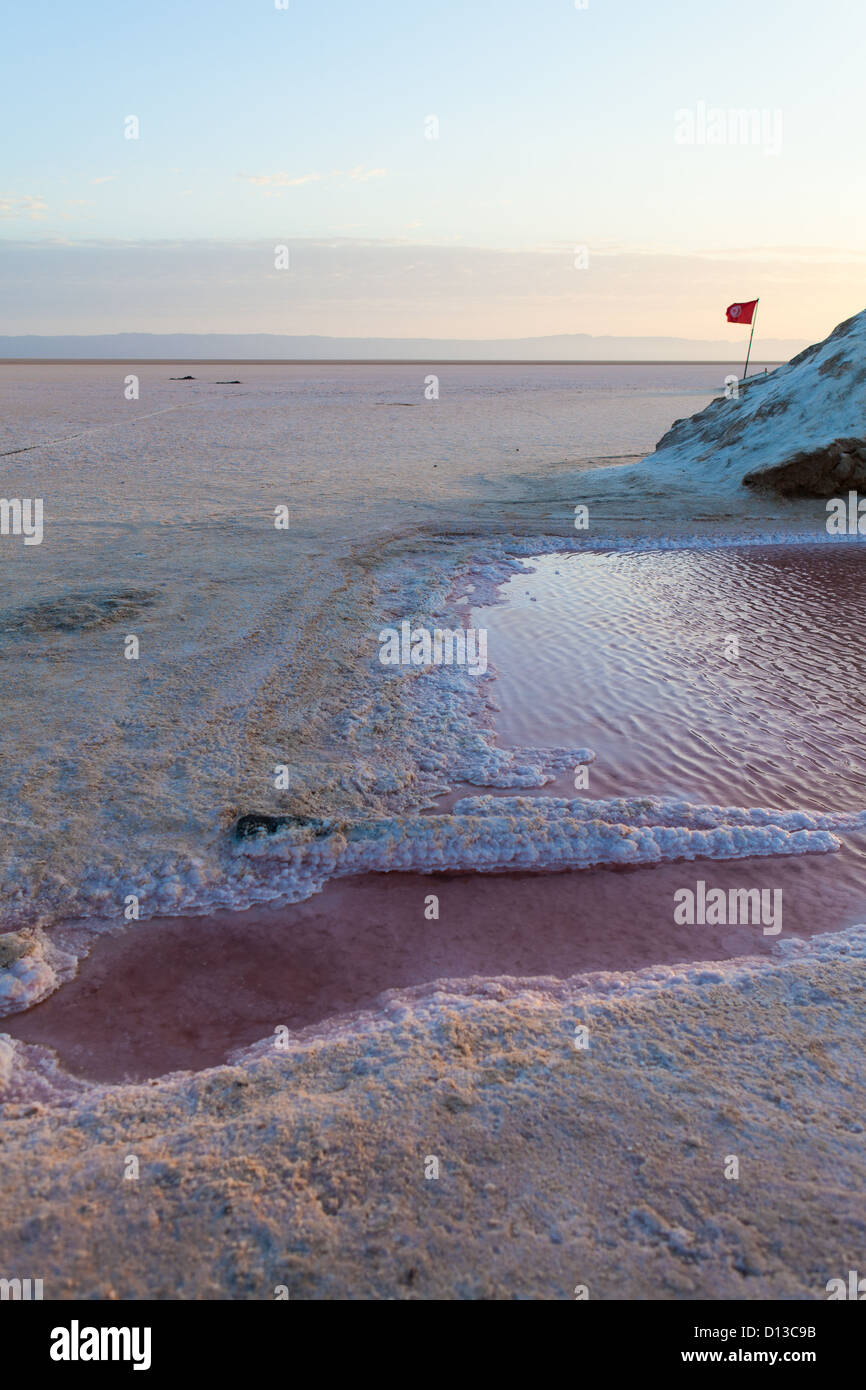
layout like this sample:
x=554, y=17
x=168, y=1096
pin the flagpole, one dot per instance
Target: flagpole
x=751, y=336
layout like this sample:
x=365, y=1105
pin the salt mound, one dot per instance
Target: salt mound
x=789, y=417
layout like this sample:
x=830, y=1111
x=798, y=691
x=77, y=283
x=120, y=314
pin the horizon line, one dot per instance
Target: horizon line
x=383, y=361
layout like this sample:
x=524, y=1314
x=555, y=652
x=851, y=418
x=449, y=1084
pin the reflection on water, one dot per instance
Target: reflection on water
x=633, y=655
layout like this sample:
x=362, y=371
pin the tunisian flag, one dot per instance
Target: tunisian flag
x=741, y=313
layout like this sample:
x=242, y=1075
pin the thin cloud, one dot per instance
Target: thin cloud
x=361, y=175
x=18, y=205
x=282, y=179
x=104, y=178
x=408, y=288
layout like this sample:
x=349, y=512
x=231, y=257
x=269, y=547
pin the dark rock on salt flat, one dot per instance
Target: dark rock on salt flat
x=819, y=472
x=253, y=822
x=14, y=945
x=78, y=612
x=181, y=378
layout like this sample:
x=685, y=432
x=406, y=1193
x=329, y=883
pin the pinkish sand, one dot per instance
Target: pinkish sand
x=305, y=1166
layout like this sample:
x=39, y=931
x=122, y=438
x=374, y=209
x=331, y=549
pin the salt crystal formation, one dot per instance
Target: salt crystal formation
x=490, y=834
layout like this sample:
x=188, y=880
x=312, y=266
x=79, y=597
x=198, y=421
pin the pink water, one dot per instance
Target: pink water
x=625, y=654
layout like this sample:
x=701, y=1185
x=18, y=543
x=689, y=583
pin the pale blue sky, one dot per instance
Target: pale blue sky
x=556, y=128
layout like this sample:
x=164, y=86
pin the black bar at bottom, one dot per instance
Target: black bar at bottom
x=150, y=1338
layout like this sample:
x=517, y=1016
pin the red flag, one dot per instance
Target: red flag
x=741, y=313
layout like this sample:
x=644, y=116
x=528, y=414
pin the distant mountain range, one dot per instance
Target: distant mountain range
x=243, y=347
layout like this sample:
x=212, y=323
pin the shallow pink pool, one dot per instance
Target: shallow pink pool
x=625, y=654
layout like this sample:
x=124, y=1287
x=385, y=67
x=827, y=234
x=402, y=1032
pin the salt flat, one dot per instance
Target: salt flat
x=306, y=1168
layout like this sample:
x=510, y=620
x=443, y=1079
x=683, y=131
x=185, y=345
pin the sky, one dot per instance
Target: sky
x=499, y=168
